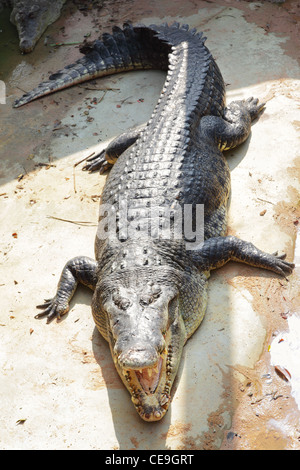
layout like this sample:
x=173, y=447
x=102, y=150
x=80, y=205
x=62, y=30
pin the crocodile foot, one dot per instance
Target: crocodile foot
x=80, y=269
x=52, y=308
x=107, y=158
x=97, y=162
x=254, y=107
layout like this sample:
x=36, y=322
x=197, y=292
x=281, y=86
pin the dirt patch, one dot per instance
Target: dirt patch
x=282, y=19
x=263, y=418
x=182, y=431
x=263, y=409
x=260, y=400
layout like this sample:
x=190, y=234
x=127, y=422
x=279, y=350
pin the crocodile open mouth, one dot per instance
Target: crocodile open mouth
x=149, y=377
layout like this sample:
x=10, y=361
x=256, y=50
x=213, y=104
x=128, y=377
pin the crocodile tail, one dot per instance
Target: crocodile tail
x=130, y=48
x=203, y=87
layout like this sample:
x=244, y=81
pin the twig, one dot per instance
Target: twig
x=64, y=44
x=24, y=91
x=98, y=89
x=102, y=97
x=125, y=99
x=76, y=222
x=48, y=165
x=264, y=200
x=83, y=160
x=75, y=165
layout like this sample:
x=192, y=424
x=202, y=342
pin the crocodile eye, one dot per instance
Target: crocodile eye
x=121, y=302
x=33, y=12
x=156, y=291
x=146, y=300
x=34, y=9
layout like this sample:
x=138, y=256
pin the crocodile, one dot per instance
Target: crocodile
x=31, y=18
x=150, y=273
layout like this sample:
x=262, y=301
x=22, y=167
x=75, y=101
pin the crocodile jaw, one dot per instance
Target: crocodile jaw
x=150, y=387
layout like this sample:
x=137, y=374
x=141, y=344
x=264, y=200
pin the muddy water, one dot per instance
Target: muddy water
x=9, y=45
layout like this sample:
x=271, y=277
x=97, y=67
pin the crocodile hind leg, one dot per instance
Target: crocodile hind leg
x=235, y=126
x=80, y=269
x=104, y=160
x=217, y=251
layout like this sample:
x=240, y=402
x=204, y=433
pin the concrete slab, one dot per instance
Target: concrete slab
x=59, y=388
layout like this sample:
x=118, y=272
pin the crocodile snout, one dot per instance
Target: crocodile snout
x=139, y=353
x=26, y=45
x=138, y=357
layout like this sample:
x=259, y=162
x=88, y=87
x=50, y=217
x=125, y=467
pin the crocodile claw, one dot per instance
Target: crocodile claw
x=254, y=107
x=97, y=162
x=281, y=266
x=53, y=308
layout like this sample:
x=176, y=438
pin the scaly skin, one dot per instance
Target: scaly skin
x=150, y=285
x=31, y=18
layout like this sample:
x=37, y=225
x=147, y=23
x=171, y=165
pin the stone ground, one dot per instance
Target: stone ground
x=238, y=385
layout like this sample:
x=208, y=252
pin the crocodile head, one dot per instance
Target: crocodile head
x=32, y=18
x=146, y=334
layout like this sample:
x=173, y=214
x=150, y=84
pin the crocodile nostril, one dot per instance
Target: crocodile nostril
x=26, y=45
x=146, y=300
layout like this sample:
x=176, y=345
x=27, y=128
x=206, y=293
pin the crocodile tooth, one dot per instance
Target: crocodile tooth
x=135, y=400
x=164, y=400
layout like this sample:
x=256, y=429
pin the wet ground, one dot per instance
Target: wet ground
x=238, y=385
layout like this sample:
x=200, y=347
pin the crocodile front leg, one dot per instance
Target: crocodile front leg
x=108, y=157
x=215, y=252
x=80, y=269
x=235, y=126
